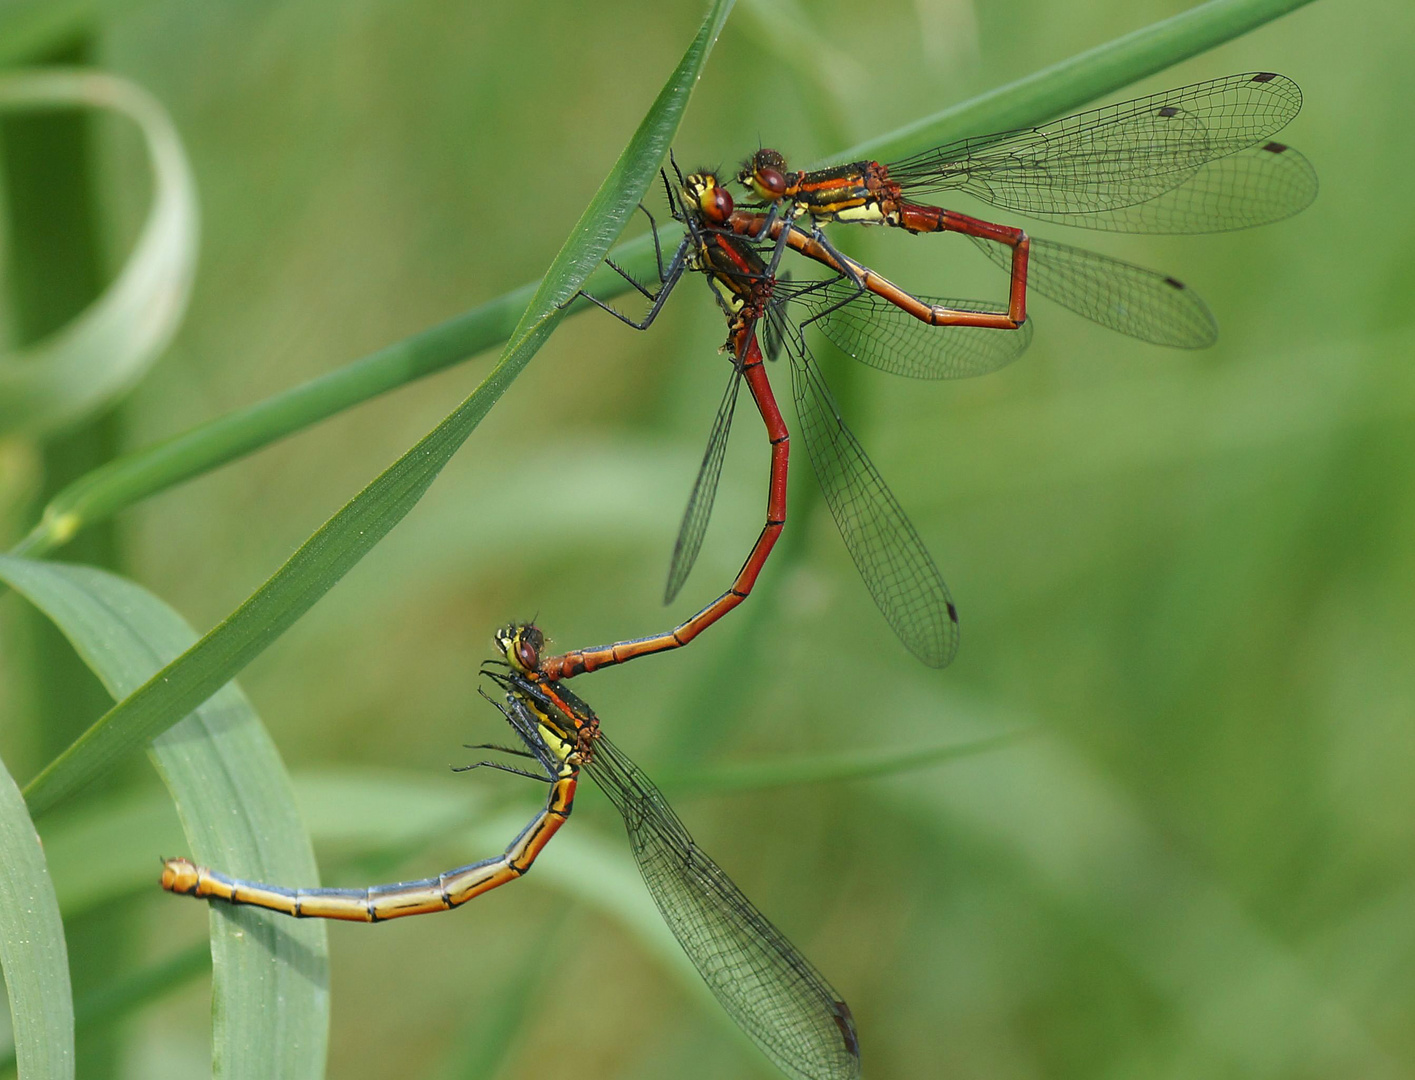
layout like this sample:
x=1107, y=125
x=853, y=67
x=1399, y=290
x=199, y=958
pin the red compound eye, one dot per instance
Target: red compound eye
x=527, y=655
x=771, y=180
x=717, y=204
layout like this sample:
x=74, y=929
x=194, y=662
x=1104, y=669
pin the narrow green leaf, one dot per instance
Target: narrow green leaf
x=1074, y=82
x=32, y=949
x=105, y=350
x=124, y=481
x=619, y=196
x=346, y=537
x=270, y=1000
x=130, y=993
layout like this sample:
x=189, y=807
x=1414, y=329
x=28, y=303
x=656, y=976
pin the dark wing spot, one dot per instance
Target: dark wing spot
x=846, y=1023
x=952, y=611
x=1265, y=76
x=1169, y=110
x=1275, y=147
x=1174, y=283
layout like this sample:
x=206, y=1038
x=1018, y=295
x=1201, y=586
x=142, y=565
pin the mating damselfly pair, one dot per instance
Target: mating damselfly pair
x=1197, y=159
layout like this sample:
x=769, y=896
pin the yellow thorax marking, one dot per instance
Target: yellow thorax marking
x=521, y=646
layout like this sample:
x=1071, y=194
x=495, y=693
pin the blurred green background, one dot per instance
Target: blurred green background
x=1189, y=577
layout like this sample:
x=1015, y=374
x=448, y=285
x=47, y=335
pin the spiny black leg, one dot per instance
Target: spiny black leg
x=503, y=768
x=671, y=277
x=513, y=751
x=632, y=280
x=672, y=196
x=657, y=248
x=846, y=264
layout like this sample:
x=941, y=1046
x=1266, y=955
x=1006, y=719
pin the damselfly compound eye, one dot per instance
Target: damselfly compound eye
x=717, y=204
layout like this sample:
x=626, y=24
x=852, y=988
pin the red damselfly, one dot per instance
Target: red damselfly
x=887, y=550
x=1196, y=159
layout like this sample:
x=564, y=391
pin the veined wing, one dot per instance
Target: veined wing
x=897, y=568
x=699, y=510
x=877, y=333
x=1142, y=303
x=1112, y=157
x=1257, y=186
x=771, y=990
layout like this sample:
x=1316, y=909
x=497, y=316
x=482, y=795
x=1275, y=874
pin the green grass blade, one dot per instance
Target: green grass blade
x=130, y=993
x=32, y=949
x=84, y=366
x=1072, y=83
x=270, y=1000
x=347, y=536
x=131, y=478
x=1099, y=71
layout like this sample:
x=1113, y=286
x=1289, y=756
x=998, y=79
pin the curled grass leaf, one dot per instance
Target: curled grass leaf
x=270, y=998
x=85, y=365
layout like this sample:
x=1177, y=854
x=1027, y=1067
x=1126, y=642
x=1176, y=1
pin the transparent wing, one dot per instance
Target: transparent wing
x=695, y=517
x=1112, y=157
x=897, y=568
x=1142, y=303
x=877, y=333
x=1256, y=186
x=758, y=976
x=772, y=329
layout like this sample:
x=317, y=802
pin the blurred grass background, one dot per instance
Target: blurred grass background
x=1190, y=574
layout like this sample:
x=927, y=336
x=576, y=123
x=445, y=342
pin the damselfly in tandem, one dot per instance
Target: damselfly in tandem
x=764, y=983
x=1196, y=159
x=882, y=327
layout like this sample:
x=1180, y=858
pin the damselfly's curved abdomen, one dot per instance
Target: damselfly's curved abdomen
x=383, y=902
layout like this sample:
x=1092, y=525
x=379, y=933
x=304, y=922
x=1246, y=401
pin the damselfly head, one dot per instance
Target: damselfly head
x=764, y=174
x=704, y=195
x=521, y=643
